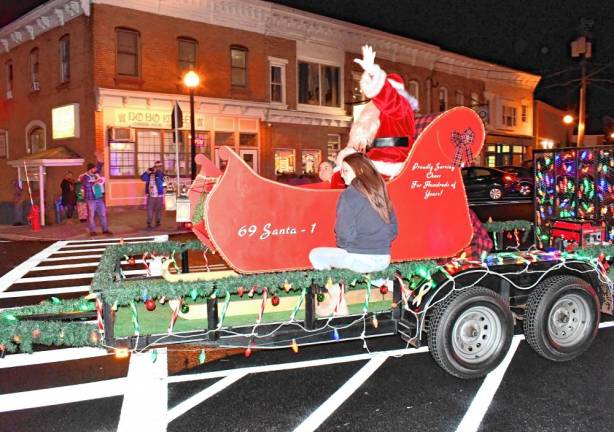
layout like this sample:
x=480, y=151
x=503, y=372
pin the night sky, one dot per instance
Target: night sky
x=528, y=35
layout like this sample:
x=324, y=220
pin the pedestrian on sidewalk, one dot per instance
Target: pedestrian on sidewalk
x=154, y=189
x=93, y=188
x=18, y=199
x=69, y=195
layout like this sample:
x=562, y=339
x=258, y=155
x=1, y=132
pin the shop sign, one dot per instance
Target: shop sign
x=65, y=121
x=151, y=119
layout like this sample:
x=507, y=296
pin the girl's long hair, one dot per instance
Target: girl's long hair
x=370, y=183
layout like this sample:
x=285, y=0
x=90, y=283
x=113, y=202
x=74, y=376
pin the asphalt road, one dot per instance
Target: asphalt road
x=90, y=391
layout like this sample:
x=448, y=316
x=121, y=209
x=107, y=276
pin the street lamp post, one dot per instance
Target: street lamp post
x=191, y=81
x=568, y=120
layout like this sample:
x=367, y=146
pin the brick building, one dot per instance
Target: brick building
x=277, y=84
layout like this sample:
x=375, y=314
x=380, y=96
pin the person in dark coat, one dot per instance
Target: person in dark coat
x=69, y=195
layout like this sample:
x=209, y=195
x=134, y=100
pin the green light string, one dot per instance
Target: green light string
x=298, y=304
x=135, y=318
x=224, y=309
x=365, y=307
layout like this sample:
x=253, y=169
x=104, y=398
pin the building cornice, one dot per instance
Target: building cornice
x=264, y=111
x=285, y=22
x=54, y=13
x=279, y=21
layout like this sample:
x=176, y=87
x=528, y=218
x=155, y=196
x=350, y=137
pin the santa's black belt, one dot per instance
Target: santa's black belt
x=391, y=142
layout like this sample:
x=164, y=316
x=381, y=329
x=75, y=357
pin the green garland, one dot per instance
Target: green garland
x=114, y=291
x=49, y=307
x=21, y=335
x=500, y=226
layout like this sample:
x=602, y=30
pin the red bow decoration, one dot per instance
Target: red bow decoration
x=462, y=142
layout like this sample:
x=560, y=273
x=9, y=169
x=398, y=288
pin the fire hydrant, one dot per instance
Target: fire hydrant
x=34, y=217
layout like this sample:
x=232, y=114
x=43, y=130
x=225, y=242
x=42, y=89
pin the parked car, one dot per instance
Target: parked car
x=526, y=178
x=489, y=183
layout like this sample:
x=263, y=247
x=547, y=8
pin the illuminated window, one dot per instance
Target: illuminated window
x=121, y=158
x=284, y=161
x=311, y=161
x=523, y=113
x=333, y=145
x=248, y=139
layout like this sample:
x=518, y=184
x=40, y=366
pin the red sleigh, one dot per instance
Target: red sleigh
x=259, y=225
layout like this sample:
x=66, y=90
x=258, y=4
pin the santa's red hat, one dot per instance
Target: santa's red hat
x=396, y=81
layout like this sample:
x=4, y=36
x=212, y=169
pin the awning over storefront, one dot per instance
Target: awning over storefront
x=36, y=163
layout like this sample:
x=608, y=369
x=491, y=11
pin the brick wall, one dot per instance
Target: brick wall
x=159, y=70
x=27, y=105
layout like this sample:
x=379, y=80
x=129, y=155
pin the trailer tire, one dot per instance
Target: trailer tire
x=562, y=318
x=470, y=332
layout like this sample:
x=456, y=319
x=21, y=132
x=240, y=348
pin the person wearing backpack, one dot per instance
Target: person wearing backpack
x=93, y=190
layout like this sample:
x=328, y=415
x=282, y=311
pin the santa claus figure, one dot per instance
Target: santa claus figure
x=385, y=127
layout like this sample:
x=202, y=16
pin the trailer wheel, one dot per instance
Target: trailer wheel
x=562, y=318
x=470, y=332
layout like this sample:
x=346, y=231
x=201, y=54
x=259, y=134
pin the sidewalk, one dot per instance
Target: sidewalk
x=123, y=222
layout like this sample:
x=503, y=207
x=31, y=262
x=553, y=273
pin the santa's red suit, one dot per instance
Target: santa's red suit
x=389, y=134
x=395, y=134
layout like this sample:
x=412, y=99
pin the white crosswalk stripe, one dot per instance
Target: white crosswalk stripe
x=29, y=278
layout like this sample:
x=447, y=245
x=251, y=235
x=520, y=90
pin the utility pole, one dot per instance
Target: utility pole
x=582, y=47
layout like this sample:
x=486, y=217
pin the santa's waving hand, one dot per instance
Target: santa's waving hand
x=385, y=127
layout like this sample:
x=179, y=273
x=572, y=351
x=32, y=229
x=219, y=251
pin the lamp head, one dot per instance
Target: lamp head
x=191, y=79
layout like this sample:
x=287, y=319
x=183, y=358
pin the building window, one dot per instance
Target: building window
x=443, y=99
x=414, y=89
x=127, y=52
x=4, y=144
x=65, y=59
x=238, y=65
x=333, y=145
x=311, y=161
x=225, y=139
x=508, y=116
x=149, y=149
x=34, y=67
x=248, y=139
x=523, y=113
x=122, y=159
x=187, y=49
x=9, y=79
x=36, y=140
x=131, y=159
x=284, y=161
x=475, y=100
x=319, y=84
x=277, y=77
x=460, y=98
x=183, y=152
x=357, y=94
x=504, y=155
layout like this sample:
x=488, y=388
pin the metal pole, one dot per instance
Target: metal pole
x=176, y=131
x=582, y=108
x=41, y=192
x=192, y=135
